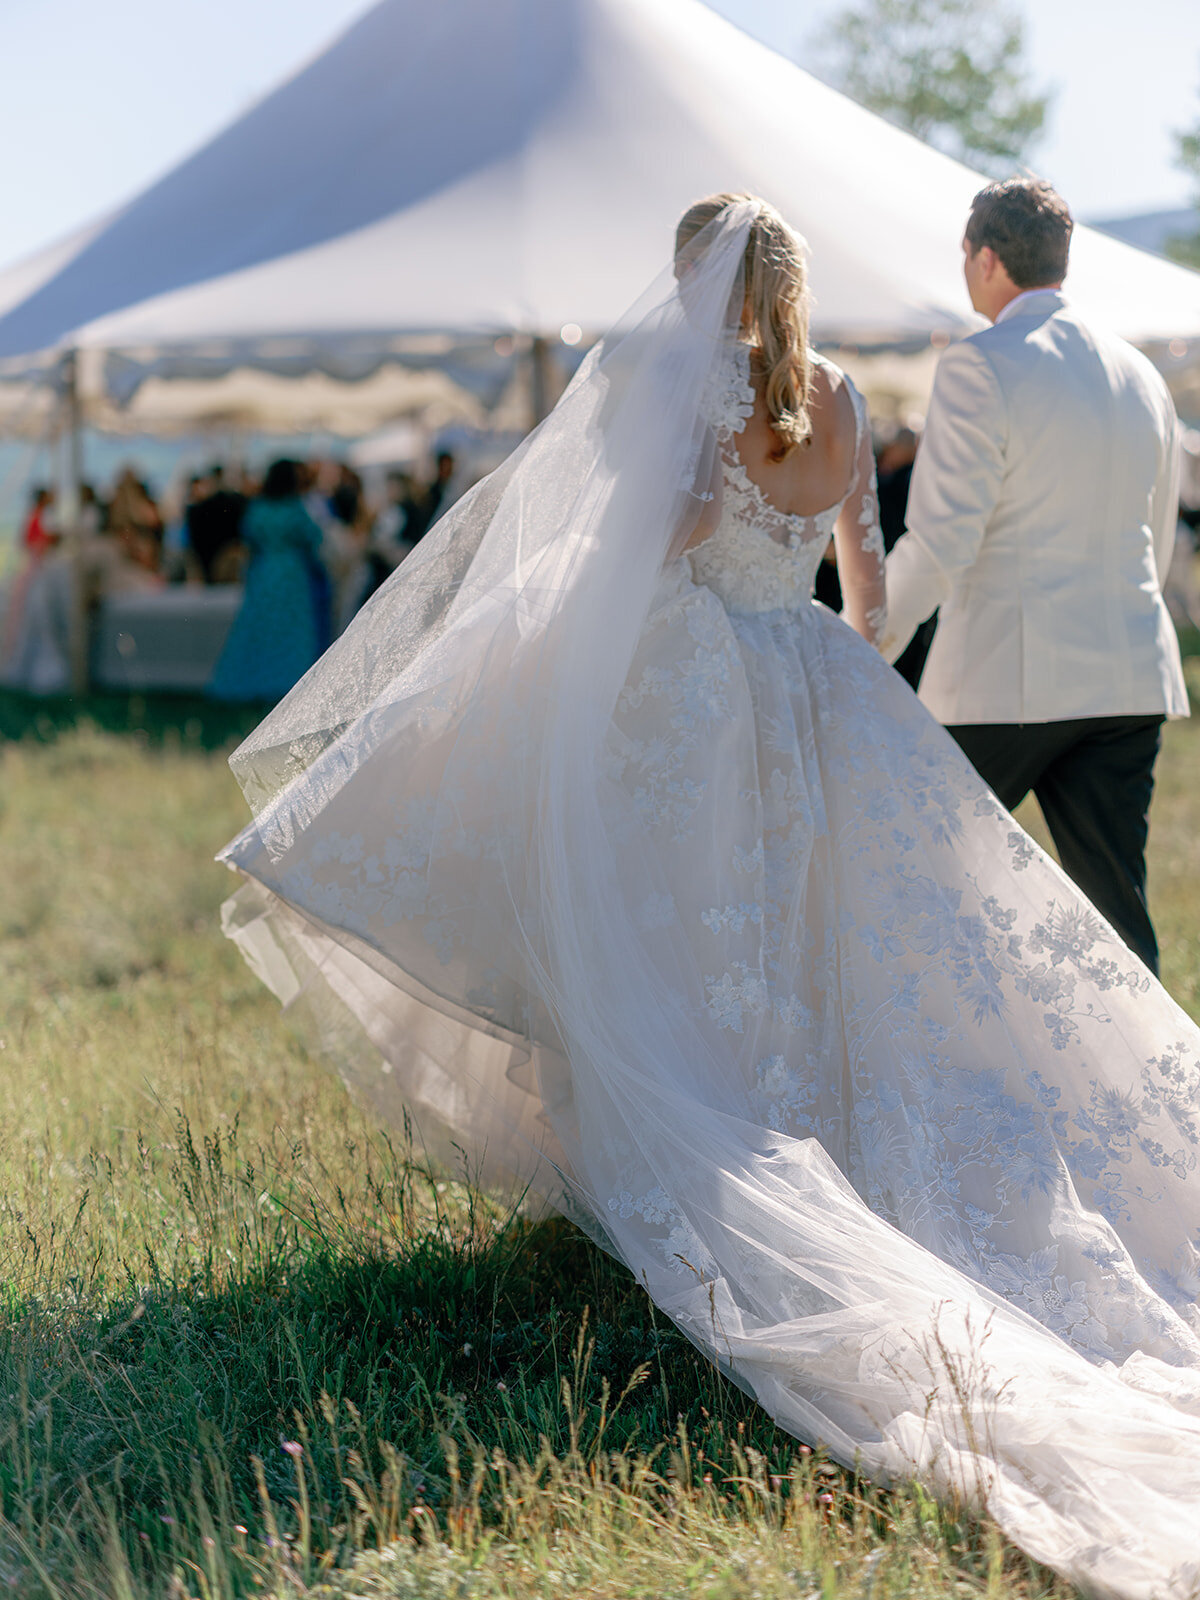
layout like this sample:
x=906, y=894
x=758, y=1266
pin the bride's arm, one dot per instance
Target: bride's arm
x=858, y=541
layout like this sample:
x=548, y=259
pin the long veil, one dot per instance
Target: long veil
x=484, y=936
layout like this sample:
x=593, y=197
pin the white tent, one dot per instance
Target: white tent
x=245, y=399
x=313, y=402
x=18, y=283
x=501, y=165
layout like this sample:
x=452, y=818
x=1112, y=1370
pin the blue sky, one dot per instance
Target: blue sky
x=98, y=99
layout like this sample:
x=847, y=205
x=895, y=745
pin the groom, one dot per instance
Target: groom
x=1041, y=521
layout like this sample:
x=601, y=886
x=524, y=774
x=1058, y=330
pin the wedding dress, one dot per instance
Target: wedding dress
x=639, y=878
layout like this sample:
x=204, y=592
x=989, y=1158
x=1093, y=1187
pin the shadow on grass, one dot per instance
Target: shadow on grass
x=181, y=1409
x=289, y=1359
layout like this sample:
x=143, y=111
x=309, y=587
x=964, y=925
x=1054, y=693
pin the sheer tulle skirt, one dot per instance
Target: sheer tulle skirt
x=802, y=1026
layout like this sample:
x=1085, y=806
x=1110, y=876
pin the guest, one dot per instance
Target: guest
x=214, y=529
x=894, y=468
x=40, y=533
x=102, y=562
x=1180, y=589
x=105, y=568
x=346, y=499
x=91, y=516
x=317, y=481
x=32, y=653
x=275, y=637
x=433, y=502
x=135, y=521
x=345, y=549
x=179, y=563
x=312, y=476
x=390, y=542
x=107, y=564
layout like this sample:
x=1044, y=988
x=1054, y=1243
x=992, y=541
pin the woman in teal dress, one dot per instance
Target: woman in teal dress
x=275, y=636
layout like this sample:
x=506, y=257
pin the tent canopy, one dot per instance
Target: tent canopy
x=508, y=165
x=119, y=396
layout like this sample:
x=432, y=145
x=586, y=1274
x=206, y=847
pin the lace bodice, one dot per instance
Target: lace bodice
x=762, y=559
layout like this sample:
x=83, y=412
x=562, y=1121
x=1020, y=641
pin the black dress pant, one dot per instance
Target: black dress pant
x=1093, y=779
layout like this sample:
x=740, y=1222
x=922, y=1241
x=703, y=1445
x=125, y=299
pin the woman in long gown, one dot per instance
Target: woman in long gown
x=274, y=637
x=33, y=654
x=629, y=871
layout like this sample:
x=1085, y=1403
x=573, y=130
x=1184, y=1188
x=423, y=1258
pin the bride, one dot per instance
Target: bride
x=624, y=868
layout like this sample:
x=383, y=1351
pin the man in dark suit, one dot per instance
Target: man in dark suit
x=214, y=524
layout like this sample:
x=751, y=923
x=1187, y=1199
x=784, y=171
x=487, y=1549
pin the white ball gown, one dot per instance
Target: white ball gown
x=642, y=879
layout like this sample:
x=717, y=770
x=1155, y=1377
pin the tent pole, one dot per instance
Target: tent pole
x=539, y=366
x=77, y=622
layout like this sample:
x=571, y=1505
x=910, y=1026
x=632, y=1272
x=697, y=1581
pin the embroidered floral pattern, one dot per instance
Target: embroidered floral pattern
x=760, y=558
x=681, y=1246
x=852, y=844
x=858, y=944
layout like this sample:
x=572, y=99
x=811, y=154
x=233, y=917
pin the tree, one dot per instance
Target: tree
x=951, y=71
x=1187, y=248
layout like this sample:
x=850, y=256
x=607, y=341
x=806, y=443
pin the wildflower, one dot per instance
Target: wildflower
x=502, y=1387
x=238, y=1528
x=466, y=1349
x=291, y=1448
x=170, y=1521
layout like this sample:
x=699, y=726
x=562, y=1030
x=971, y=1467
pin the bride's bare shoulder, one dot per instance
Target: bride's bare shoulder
x=830, y=400
x=826, y=380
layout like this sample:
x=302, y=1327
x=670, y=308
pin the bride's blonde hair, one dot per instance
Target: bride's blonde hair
x=777, y=302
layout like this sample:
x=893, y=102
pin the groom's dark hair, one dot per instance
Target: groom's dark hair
x=1028, y=225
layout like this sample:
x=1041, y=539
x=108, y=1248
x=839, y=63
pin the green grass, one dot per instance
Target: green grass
x=250, y=1346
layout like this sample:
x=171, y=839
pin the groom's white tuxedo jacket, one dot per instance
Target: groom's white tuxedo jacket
x=1041, y=520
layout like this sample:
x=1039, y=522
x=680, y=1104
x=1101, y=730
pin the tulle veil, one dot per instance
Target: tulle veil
x=545, y=1025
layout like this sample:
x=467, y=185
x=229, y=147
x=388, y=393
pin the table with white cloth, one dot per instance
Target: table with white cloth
x=165, y=639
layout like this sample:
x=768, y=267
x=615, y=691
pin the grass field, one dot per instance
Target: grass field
x=249, y=1346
